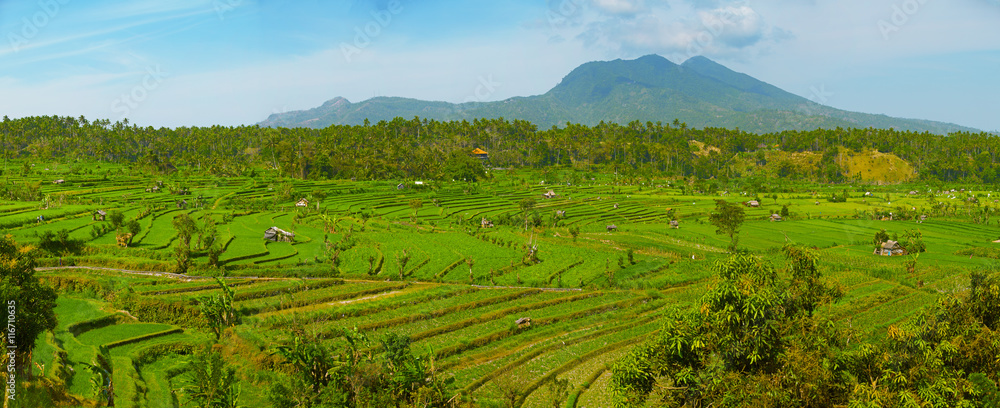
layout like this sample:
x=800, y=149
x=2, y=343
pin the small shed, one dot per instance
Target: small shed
x=302, y=203
x=922, y=218
x=523, y=322
x=60, y=181
x=275, y=234
x=99, y=215
x=775, y=217
x=480, y=154
x=561, y=213
x=753, y=203
x=612, y=227
x=616, y=206
x=550, y=194
x=486, y=223
x=400, y=186
x=890, y=248
x=675, y=224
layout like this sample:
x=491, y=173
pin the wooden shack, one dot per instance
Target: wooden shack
x=275, y=234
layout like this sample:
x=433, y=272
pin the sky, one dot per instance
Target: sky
x=231, y=62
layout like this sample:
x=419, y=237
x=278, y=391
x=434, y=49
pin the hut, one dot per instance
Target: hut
x=60, y=181
x=550, y=194
x=486, y=223
x=675, y=224
x=275, y=234
x=775, y=217
x=480, y=154
x=523, y=322
x=400, y=186
x=561, y=213
x=922, y=218
x=616, y=206
x=612, y=227
x=302, y=203
x=99, y=215
x=752, y=203
x=890, y=248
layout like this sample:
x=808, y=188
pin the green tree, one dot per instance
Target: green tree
x=208, y=383
x=219, y=309
x=31, y=303
x=461, y=166
x=880, y=237
x=133, y=228
x=727, y=220
x=806, y=291
x=117, y=219
x=526, y=205
x=743, y=346
x=185, y=228
x=416, y=204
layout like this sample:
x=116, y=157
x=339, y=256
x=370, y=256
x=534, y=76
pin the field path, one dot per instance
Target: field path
x=195, y=277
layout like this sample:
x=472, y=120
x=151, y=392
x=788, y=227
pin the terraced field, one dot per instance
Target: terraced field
x=363, y=259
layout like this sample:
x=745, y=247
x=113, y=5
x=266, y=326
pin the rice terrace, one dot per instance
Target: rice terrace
x=312, y=269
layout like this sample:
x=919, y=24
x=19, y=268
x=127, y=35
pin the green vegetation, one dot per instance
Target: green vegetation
x=650, y=88
x=418, y=284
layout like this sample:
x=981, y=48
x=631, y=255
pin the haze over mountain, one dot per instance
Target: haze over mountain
x=699, y=92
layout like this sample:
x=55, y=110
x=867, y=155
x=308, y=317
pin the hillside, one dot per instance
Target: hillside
x=699, y=92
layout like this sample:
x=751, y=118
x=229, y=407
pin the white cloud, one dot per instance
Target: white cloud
x=680, y=31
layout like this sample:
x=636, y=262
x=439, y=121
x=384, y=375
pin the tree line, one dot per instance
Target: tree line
x=422, y=148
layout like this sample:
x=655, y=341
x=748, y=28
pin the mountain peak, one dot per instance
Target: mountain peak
x=700, y=60
x=336, y=102
x=701, y=92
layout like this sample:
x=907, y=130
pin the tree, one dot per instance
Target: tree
x=208, y=382
x=402, y=258
x=880, y=237
x=461, y=166
x=117, y=219
x=185, y=228
x=741, y=347
x=31, y=303
x=805, y=291
x=133, y=228
x=727, y=218
x=416, y=204
x=526, y=205
x=219, y=309
x=574, y=231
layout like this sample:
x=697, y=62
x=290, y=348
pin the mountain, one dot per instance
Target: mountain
x=699, y=92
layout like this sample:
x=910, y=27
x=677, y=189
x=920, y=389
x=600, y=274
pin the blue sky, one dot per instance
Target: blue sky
x=230, y=62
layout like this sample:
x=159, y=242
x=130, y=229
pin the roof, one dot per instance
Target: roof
x=280, y=231
x=890, y=244
x=101, y=212
x=479, y=151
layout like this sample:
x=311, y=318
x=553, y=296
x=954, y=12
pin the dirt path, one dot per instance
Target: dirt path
x=195, y=277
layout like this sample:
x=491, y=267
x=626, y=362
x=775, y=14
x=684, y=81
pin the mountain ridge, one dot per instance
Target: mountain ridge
x=699, y=91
